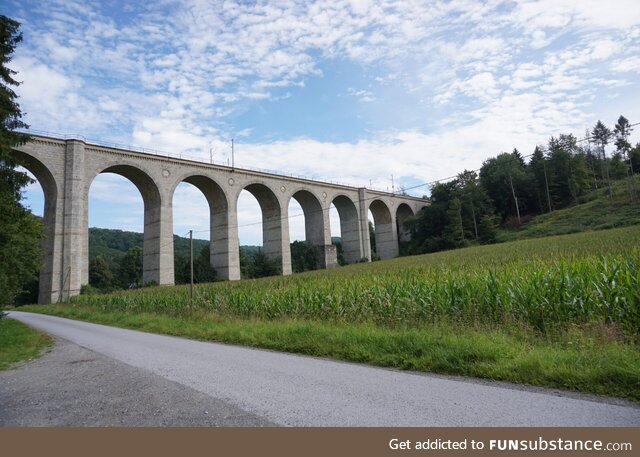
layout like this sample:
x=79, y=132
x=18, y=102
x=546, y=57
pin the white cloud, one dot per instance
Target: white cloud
x=473, y=78
x=190, y=211
x=362, y=94
x=631, y=64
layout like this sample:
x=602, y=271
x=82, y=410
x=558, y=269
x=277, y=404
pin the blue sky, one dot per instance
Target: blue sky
x=351, y=91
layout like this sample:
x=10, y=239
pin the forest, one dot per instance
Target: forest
x=511, y=189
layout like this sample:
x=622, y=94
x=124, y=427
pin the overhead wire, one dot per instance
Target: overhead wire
x=376, y=197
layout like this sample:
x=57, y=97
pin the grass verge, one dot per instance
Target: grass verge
x=586, y=359
x=19, y=342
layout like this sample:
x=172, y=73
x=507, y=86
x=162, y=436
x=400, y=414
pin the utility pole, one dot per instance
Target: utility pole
x=233, y=161
x=460, y=218
x=211, y=155
x=632, y=181
x=473, y=214
x=604, y=155
x=546, y=183
x=513, y=192
x=593, y=167
x=191, y=261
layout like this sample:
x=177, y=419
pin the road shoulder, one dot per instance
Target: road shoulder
x=73, y=386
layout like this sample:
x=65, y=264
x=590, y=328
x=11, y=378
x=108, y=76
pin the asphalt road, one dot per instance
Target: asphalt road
x=70, y=386
x=285, y=389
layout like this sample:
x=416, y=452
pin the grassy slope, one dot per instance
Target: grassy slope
x=598, y=212
x=590, y=358
x=19, y=342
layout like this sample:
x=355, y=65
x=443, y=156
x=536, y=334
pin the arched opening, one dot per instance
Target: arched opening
x=372, y=236
x=336, y=234
x=309, y=242
x=260, y=232
x=113, y=203
x=32, y=194
x=403, y=213
x=200, y=205
x=349, y=228
x=385, y=233
x=42, y=199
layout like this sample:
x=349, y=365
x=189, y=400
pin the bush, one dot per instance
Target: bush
x=87, y=289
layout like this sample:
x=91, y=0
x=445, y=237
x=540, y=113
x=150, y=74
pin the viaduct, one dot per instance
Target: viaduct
x=65, y=168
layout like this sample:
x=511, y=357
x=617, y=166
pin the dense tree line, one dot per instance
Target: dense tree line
x=112, y=244
x=508, y=190
x=125, y=269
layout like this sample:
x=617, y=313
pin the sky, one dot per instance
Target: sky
x=350, y=91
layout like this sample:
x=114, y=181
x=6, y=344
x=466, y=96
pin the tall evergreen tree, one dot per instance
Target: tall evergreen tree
x=474, y=201
x=580, y=175
x=453, y=234
x=99, y=274
x=592, y=159
x=20, y=231
x=509, y=183
x=538, y=167
x=560, y=169
x=622, y=130
x=634, y=157
x=130, y=271
x=601, y=136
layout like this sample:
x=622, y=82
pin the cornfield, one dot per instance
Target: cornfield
x=547, y=284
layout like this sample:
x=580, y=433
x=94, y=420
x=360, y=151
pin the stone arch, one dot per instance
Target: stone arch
x=386, y=237
x=403, y=213
x=313, y=216
x=275, y=230
x=155, y=246
x=349, y=228
x=316, y=225
x=51, y=278
x=221, y=243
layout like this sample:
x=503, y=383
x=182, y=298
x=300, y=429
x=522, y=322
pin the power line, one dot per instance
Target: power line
x=375, y=197
x=429, y=183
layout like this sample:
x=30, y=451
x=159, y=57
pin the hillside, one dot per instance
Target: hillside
x=597, y=211
x=112, y=244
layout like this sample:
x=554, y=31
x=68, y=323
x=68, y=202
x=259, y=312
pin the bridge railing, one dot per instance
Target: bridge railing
x=192, y=158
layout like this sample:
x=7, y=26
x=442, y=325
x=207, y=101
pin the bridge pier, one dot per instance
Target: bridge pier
x=157, y=260
x=225, y=246
x=74, y=233
x=328, y=250
x=365, y=239
x=281, y=244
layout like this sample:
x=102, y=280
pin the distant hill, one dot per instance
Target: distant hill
x=112, y=244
